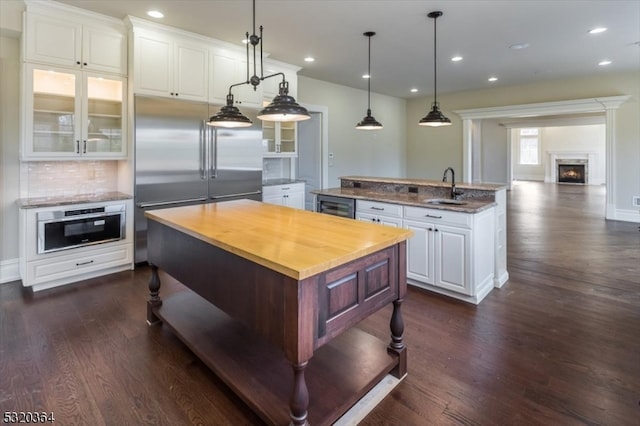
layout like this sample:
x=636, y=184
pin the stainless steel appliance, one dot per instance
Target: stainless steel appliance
x=66, y=229
x=179, y=160
x=336, y=206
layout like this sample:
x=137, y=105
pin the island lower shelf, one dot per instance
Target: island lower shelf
x=258, y=372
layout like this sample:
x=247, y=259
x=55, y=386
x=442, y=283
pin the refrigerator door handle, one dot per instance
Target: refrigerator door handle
x=203, y=150
x=241, y=194
x=213, y=154
x=169, y=203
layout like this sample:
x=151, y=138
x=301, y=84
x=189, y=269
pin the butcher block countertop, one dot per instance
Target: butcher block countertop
x=294, y=242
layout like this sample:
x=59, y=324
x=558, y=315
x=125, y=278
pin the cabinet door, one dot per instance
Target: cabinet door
x=153, y=65
x=390, y=221
x=52, y=125
x=52, y=40
x=366, y=217
x=104, y=49
x=246, y=96
x=296, y=199
x=420, y=252
x=104, y=111
x=191, y=72
x=223, y=75
x=273, y=199
x=452, y=250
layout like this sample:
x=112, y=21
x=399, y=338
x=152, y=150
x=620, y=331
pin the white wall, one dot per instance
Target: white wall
x=9, y=145
x=359, y=152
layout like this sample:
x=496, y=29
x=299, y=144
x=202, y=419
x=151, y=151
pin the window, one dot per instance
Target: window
x=529, y=147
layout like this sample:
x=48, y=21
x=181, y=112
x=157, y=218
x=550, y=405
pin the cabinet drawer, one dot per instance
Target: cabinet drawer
x=438, y=216
x=377, y=208
x=280, y=190
x=94, y=259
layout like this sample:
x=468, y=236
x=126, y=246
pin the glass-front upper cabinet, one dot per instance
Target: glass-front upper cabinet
x=280, y=137
x=71, y=114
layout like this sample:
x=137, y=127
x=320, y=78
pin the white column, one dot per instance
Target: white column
x=467, y=151
x=610, y=166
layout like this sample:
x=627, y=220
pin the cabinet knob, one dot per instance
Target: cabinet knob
x=430, y=229
x=84, y=63
x=78, y=62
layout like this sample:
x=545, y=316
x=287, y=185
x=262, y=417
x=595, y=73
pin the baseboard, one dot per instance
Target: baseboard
x=9, y=270
x=501, y=280
x=626, y=215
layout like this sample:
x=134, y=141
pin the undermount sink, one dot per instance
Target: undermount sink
x=445, y=201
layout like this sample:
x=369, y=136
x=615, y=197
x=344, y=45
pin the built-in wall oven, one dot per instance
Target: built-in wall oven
x=66, y=229
x=336, y=206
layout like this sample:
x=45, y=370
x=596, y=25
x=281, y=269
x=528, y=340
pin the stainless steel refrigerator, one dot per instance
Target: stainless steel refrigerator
x=179, y=160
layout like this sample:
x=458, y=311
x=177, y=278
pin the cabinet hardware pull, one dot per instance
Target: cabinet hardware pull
x=84, y=147
x=285, y=189
x=377, y=208
x=84, y=263
x=77, y=147
x=432, y=216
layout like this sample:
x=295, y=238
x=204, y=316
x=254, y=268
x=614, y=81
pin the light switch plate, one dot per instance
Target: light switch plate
x=636, y=201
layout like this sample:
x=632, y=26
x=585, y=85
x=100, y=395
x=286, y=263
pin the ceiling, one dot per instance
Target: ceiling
x=481, y=31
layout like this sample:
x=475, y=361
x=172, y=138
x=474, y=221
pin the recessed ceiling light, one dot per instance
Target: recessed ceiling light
x=155, y=14
x=597, y=30
x=604, y=63
x=309, y=59
x=366, y=76
x=492, y=79
x=414, y=90
x=519, y=46
x=456, y=58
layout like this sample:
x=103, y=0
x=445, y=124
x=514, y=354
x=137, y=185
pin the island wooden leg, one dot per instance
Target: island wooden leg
x=154, y=296
x=299, y=402
x=397, y=345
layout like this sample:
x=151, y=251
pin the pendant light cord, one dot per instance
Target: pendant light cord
x=435, y=63
x=369, y=79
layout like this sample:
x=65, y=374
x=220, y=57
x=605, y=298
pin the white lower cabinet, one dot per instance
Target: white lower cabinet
x=40, y=271
x=289, y=195
x=381, y=213
x=451, y=252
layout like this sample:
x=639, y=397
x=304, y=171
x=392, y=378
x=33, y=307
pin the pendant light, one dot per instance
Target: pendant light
x=435, y=118
x=368, y=122
x=282, y=108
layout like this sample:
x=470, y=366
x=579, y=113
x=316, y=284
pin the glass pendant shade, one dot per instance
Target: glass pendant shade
x=434, y=118
x=229, y=116
x=369, y=122
x=284, y=107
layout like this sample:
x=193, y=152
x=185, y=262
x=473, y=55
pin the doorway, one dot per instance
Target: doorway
x=312, y=147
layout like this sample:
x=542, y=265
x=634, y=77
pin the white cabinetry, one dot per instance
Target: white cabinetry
x=67, y=39
x=72, y=114
x=43, y=271
x=281, y=138
x=170, y=65
x=501, y=274
x=451, y=252
x=382, y=213
x=290, y=195
x=228, y=68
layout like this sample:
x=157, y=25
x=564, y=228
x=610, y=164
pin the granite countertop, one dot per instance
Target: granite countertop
x=280, y=181
x=63, y=200
x=294, y=242
x=473, y=205
x=422, y=182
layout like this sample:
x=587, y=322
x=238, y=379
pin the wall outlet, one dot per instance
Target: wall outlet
x=636, y=201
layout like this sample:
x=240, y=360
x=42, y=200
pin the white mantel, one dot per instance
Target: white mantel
x=551, y=167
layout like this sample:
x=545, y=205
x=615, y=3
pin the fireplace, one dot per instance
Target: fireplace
x=572, y=171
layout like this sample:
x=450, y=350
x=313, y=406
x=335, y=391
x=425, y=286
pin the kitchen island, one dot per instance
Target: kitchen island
x=270, y=288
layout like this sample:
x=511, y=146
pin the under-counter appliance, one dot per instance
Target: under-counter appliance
x=336, y=206
x=179, y=160
x=66, y=229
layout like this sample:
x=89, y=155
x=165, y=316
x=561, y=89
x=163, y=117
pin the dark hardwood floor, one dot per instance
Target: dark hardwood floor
x=559, y=344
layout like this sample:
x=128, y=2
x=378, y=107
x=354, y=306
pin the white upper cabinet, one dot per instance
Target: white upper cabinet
x=228, y=68
x=170, y=66
x=73, y=41
x=72, y=114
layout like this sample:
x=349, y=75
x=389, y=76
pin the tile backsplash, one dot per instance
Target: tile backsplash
x=69, y=178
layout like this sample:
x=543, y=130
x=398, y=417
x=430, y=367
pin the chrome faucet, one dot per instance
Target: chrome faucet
x=454, y=193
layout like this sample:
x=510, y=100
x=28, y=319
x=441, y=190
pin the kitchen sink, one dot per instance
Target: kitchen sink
x=445, y=201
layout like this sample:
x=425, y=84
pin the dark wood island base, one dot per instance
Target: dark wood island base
x=288, y=347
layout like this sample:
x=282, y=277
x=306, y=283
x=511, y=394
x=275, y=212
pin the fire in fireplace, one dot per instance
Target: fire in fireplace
x=572, y=173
